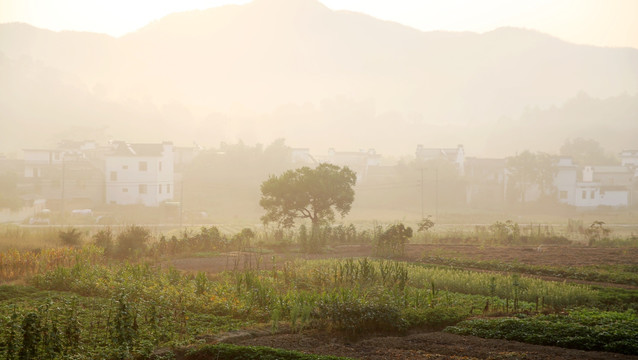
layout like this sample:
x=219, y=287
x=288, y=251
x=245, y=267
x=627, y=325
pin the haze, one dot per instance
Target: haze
x=370, y=179
x=307, y=76
x=592, y=22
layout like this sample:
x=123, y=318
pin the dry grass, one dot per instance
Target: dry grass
x=16, y=237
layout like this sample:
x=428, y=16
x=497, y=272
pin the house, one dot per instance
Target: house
x=358, y=161
x=565, y=180
x=302, y=156
x=68, y=176
x=455, y=156
x=629, y=158
x=139, y=174
x=593, y=186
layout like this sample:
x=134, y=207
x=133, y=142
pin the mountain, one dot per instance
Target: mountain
x=297, y=69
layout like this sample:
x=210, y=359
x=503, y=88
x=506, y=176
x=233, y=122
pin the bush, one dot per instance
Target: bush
x=132, y=241
x=392, y=241
x=104, y=239
x=71, y=237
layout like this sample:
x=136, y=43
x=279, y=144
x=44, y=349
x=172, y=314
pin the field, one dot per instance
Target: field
x=172, y=296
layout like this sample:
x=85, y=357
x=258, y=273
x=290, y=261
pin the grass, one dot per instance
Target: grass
x=617, y=274
x=16, y=237
x=125, y=310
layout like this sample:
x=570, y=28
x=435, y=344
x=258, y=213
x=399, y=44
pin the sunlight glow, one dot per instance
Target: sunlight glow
x=596, y=22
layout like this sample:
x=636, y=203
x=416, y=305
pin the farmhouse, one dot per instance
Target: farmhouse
x=83, y=175
x=594, y=186
x=358, y=161
x=139, y=174
x=629, y=158
x=68, y=176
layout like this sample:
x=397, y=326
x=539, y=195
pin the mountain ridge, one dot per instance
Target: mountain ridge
x=248, y=59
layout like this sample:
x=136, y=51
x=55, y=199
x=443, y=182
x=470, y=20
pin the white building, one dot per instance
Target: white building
x=358, y=161
x=597, y=185
x=565, y=180
x=139, y=174
x=629, y=158
x=69, y=175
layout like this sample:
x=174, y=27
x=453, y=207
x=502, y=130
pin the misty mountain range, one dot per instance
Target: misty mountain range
x=319, y=78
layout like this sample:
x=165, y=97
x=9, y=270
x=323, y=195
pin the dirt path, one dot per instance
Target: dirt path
x=425, y=345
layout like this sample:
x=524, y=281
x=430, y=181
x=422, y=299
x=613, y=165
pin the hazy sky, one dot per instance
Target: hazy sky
x=596, y=22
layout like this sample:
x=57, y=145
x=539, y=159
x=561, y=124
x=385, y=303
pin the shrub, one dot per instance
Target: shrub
x=71, y=237
x=392, y=241
x=132, y=241
x=104, y=239
x=505, y=233
x=597, y=232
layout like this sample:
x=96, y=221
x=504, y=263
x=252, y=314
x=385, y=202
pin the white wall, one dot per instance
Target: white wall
x=565, y=181
x=587, y=195
x=614, y=198
x=157, y=179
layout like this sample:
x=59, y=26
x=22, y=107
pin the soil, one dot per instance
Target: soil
x=424, y=344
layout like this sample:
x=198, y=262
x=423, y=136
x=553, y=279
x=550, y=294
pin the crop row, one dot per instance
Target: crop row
x=617, y=274
x=121, y=310
x=586, y=329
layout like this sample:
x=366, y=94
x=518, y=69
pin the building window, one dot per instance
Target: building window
x=125, y=167
x=168, y=188
x=591, y=194
x=159, y=166
x=142, y=189
x=159, y=187
x=125, y=190
x=143, y=165
x=113, y=175
x=584, y=194
x=563, y=195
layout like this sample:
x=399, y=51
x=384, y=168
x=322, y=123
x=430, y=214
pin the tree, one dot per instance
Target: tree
x=527, y=169
x=587, y=152
x=522, y=171
x=306, y=193
x=425, y=224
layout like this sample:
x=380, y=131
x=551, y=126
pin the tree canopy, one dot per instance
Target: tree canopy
x=529, y=168
x=307, y=193
x=587, y=152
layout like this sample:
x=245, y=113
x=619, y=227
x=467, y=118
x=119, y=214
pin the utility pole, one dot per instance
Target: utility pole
x=436, y=198
x=181, y=204
x=422, y=212
x=62, y=195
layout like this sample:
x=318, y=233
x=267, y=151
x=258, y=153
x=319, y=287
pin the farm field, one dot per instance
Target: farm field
x=436, y=344
x=109, y=297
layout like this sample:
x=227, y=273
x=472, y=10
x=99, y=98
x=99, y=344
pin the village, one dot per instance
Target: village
x=78, y=177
